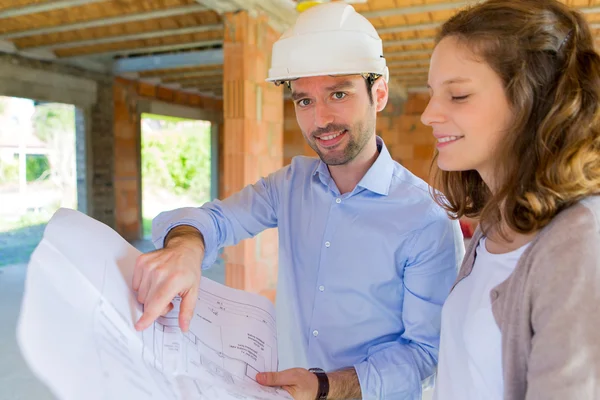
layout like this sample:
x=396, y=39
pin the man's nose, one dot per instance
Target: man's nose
x=323, y=115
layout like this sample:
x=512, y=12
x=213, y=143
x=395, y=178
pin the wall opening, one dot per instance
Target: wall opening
x=176, y=165
x=38, y=171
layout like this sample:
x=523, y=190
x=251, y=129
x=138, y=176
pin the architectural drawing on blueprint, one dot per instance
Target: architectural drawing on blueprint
x=232, y=337
x=234, y=333
x=217, y=359
x=229, y=335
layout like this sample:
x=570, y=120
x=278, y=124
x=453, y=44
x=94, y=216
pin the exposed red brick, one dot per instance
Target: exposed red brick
x=252, y=139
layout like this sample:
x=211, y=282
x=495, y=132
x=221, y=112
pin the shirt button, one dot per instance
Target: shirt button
x=327, y=244
x=338, y=200
x=494, y=294
x=315, y=333
x=322, y=288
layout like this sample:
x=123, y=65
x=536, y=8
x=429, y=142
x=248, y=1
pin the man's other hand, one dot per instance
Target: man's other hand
x=298, y=382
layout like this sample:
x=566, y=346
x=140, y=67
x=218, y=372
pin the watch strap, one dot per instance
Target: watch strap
x=323, y=390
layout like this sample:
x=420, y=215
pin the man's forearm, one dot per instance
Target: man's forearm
x=344, y=384
x=184, y=232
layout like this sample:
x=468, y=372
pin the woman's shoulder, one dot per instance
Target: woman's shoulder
x=580, y=222
x=570, y=244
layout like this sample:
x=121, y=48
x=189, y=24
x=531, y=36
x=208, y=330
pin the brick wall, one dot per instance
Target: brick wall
x=127, y=174
x=102, y=149
x=253, y=140
x=409, y=142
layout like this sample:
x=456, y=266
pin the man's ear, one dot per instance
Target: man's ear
x=380, y=93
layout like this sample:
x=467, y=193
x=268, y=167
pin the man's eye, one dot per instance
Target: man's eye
x=339, y=95
x=303, y=102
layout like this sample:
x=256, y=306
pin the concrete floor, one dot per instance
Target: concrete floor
x=16, y=380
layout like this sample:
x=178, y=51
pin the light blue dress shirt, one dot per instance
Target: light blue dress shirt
x=362, y=276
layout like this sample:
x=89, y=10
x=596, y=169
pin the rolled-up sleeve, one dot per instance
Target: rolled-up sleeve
x=227, y=222
x=399, y=369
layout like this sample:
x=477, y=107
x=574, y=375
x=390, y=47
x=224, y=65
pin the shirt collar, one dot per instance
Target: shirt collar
x=377, y=179
x=324, y=176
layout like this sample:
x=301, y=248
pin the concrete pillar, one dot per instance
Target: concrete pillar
x=82, y=158
x=253, y=140
x=102, y=194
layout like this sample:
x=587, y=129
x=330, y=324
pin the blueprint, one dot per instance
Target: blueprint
x=76, y=329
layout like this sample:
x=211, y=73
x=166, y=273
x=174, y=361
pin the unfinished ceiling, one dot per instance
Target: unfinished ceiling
x=178, y=43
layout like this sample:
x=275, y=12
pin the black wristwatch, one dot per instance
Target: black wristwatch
x=323, y=390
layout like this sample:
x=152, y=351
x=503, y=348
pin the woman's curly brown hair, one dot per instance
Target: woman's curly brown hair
x=544, y=53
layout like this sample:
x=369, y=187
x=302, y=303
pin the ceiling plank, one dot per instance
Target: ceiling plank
x=136, y=36
x=427, y=8
x=417, y=9
x=106, y=22
x=404, y=42
x=409, y=28
x=44, y=7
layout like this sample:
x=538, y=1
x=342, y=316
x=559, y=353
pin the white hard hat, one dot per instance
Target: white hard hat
x=328, y=39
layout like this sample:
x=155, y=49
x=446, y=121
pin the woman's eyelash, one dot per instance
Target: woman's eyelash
x=460, y=97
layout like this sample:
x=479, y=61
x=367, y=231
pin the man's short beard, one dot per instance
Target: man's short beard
x=353, y=148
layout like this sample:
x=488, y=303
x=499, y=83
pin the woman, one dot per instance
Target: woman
x=515, y=106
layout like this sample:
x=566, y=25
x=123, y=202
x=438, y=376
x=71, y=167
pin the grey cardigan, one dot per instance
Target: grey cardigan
x=548, y=310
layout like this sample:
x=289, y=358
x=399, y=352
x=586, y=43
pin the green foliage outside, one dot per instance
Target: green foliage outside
x=176, y=165
x=38, y=167
x=178, y=160
x=9, y=170
x=52, y=119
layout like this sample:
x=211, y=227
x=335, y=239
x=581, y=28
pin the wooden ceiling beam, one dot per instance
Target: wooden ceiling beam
x=44, y=7
x=123, y=19
x=135, y=36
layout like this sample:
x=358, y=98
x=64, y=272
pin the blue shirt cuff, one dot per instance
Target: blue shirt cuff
x=381, y=379
x=195, y=217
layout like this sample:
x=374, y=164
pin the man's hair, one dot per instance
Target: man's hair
x=550, y=156
x=370, y=81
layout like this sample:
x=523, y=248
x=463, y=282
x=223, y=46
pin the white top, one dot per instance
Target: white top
x=470, y=361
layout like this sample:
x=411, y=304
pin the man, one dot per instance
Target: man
x=366, y=257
